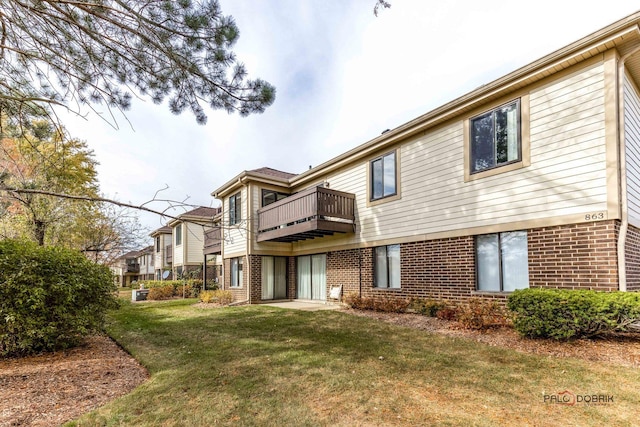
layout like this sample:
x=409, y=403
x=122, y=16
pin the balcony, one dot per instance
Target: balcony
x=311, y=213
x=133, y=268
x=168, y=254
x=212, y=241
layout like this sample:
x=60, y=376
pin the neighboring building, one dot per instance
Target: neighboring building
x=212, y=252
x=146, y=262
x=188, y=240
x=126, y=269
x=532, y=180
x=163, y=253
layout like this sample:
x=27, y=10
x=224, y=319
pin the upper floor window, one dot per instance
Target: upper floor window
x=178, y=234
x=495, y=137
x=158, y=244
x=271, y=196
x=235, y=209
x=383, y=176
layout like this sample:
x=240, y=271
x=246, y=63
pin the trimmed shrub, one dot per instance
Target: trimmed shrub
x=426, y=307
x=192, y=287
x=480, y=314
x=217, y=296
x=161, y=293
x=565, y=314
x=50, y=297
x=386, y=304
x=448, y=313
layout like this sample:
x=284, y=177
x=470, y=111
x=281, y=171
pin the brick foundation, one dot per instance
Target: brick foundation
x=576, y=256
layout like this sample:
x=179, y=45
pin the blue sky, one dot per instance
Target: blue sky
x=342, y=77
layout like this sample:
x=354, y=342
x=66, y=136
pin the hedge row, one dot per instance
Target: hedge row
x=192, y=288
x=566, y=314
x=50, y=298
x=536, y=313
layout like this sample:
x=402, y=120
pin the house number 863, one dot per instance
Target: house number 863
x=593, y=216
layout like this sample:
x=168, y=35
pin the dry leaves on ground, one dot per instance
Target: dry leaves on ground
x=621, y=349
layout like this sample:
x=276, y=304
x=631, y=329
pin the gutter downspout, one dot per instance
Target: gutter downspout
x=624, y=214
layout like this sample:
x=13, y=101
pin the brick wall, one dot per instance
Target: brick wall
x=632, y=258
x=442, y=269
x=343, y=269
x=577, y=256
x=291, y=277
x=255, y=286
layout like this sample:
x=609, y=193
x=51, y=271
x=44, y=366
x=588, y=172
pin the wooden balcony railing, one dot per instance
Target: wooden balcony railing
x=133, y=268
x=311, y=213
x=168, y=254
x=212, y=241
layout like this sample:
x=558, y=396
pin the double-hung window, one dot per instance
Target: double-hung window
x=235, y=209
x=383, y=176
x=236, y=272
x=495, y=137
x=502, y=263
x=387, y=266
x=158, y=244
x=178, y=234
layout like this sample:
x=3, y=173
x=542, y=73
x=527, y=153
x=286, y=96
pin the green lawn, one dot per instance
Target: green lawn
x=266, y=366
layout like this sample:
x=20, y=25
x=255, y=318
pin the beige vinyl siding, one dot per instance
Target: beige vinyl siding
x=235, y=236
x=178, y=251
x=158, y=257
x=632, y=150
x=272, y=248
x=567, y=175
x=195, y=243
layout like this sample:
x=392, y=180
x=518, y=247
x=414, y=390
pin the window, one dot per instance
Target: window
x=178, y=235
x=386, y=261
x=502, y=263
x=235, y=209
x=236, y=272
x=158, y=244
x=495, y=137
x=271, y=196
x=383, y=176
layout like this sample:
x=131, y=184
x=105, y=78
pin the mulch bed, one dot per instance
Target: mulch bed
x=50, y=389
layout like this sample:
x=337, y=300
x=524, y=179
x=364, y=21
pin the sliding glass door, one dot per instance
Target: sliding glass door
x=312, y=277
x=274, y=277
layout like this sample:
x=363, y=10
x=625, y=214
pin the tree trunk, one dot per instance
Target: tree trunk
x=39, y=228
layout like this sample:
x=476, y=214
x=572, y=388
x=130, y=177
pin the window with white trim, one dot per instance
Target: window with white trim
x=236, y=272
x=235, y=209
x=178, y=234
